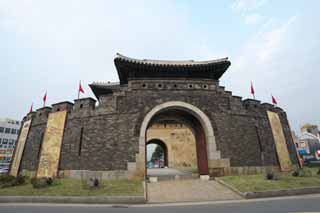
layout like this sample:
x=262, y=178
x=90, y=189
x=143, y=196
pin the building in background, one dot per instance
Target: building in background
x=310, y=128
x=308, y=144
x=9, y=130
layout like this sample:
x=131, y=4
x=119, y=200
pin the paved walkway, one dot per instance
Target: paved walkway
x=167, y=172
x=188, y=190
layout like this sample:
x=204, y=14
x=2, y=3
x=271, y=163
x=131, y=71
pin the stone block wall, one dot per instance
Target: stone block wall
x=180, y=143
x=105, y=137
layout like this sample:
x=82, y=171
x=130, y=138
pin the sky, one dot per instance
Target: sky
x=52, y=45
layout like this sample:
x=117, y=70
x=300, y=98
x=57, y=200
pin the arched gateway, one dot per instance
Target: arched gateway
x=108, y=139
x=199, y=121
x=164, y=149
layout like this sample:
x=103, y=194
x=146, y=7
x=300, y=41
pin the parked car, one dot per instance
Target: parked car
x=4, y=170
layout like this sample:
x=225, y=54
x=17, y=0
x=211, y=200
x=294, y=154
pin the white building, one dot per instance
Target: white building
x=9, y=130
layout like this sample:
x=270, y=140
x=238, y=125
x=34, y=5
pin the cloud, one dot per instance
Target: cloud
x=247, y=9
x=267, y=44
x=247, y=5
x=280, y=60
x=51, y=45
x=254, y=18
x=54, y=44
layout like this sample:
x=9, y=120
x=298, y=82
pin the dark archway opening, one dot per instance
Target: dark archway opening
x=158, y=157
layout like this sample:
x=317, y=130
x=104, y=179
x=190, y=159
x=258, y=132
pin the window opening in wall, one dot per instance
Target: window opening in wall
x=81, y=105
x=190, y=86
x=159, y=85
x=259, y=140
x=80, y=142
x=40, y=146
x=144, y=85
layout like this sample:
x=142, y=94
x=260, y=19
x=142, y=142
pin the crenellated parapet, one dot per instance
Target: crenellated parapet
x=62, y=106
x=84, y=103
x=41, y=115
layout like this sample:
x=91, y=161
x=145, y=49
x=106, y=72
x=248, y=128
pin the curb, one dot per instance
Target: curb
x=230, y=187
x=74, y=199
x=282, y=192
x=271, y=193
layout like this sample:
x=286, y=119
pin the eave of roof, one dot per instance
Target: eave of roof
x=138, y=68
x=169, y=62
x=101, y=88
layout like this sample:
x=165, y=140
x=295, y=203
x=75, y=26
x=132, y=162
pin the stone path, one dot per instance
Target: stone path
x=167, y=172
x=188, y=190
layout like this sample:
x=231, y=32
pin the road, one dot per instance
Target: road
x=308, y=203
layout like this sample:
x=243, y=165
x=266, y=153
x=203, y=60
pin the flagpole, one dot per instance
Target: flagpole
x=31, y=108
x=274, y=102
x=252, y=91
x=44, y=99
x=79, y=89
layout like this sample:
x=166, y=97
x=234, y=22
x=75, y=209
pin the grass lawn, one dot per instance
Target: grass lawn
x=73, y=187
x=254, y=183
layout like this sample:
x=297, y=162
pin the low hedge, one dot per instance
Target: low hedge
x=9, y=180
x=41, y=182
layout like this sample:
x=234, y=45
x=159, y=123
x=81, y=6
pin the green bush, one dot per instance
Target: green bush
x=305, y=172
x=41, y=182
x=9, y=180
x=271, y=175
x=6, y=178
x=21, y=180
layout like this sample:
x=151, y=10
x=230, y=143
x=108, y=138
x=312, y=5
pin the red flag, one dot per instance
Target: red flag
x=252, y=90
x=31, y=108
x=44, y=99
x=80, y=89
x=274, y=100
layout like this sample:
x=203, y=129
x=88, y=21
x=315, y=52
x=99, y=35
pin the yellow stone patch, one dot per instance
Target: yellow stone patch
x=51, y=147
x=180, y=142
x=280, y=141
x=14, y=170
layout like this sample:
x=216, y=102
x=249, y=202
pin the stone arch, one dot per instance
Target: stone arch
x=212, y=152
x=163, y=146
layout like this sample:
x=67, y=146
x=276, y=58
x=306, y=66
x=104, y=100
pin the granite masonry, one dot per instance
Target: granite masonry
x=106, y=136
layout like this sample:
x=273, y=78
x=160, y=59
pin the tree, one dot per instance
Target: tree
x=309, y=126
x=157, y=154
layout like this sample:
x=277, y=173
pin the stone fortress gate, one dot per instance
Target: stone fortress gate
x=107, y=136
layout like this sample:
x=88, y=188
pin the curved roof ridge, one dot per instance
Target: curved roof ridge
x=169, y=62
